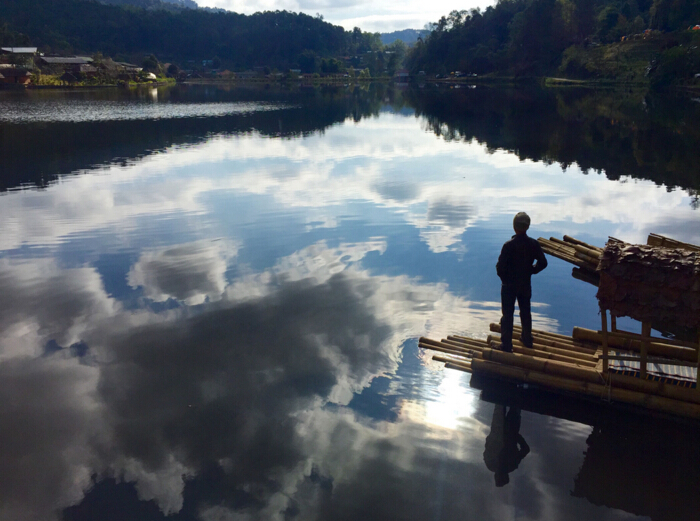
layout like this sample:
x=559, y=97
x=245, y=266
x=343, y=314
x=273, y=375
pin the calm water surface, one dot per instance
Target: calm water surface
x=210, y=301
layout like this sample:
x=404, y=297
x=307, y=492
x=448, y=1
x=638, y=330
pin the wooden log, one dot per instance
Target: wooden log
x=649, y=401
x=549, y=349
x=620, y=340
x=544, y=366
x=573, y=240
x=518, y=348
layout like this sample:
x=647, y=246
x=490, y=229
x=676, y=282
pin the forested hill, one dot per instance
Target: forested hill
x=155, y=4
x=275, y=39
x=535, y=37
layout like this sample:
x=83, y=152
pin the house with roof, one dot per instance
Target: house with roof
x=14, y=76
x=23, y=56
x=71, y=64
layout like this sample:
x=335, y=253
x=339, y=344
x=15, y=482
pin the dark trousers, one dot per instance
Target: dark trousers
x=509, y=294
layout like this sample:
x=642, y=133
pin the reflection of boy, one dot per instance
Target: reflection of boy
x=515, y=267
x=505, y=447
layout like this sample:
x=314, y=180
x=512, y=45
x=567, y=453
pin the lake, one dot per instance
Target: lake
x=211, y=299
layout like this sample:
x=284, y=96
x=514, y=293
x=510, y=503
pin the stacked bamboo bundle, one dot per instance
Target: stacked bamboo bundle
x=584, y=256
x=649, y=283
x=572, y=364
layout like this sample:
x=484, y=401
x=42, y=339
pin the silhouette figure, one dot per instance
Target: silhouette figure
x=505, y=447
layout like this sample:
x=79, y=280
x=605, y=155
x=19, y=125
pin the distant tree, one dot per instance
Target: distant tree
x=150, y=64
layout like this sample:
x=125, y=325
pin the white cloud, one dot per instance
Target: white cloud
x=386, y=16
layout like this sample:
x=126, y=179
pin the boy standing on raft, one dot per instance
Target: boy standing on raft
x=515, y=267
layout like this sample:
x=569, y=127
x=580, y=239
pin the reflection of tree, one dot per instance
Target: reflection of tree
x=645, y=466
x=622, y=134
x=641, y=464
x=61, y=148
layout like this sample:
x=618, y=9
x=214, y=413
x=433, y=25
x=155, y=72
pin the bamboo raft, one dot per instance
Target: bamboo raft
x=576, y=365
x=659, y=281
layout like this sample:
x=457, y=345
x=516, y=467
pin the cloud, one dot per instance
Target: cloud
x=383, y=17
x=192, y=272
x=42, y=302
x=50, y=421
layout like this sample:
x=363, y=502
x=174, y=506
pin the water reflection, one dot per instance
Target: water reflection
x=223, y=325
x=505, y=446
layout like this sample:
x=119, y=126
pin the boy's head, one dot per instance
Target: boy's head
x=521, y=222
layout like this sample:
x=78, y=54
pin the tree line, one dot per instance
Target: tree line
x=278, y=39
x=531, y=37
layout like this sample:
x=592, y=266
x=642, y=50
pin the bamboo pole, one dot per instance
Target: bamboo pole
x=586, y=276
x=667, y=390
x=573, y=240
x=646, y=334
x=479, y=344
x=544, y=366
x=563, y=254
x=518, y=348
x=658, y=403
x=593, y=254
x=547, y=340
x=655, y=339
x=446, y=360
x=535, y=332
x=549, y=349
x=429, y=344
x=604, y=326
x=629, y=342
x=463, y=347
x=655, y=239
x=450, y=365
x=448, y=351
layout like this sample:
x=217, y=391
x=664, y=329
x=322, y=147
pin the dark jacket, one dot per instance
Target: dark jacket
x=515, y=264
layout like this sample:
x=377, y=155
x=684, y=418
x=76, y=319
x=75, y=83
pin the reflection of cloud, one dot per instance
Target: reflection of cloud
x=50, y=422
x=40, y=302
x=190, y=272
x=325, y=174
x=240, y=386
x=398, y=191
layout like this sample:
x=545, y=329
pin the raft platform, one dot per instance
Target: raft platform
x=574, y=365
